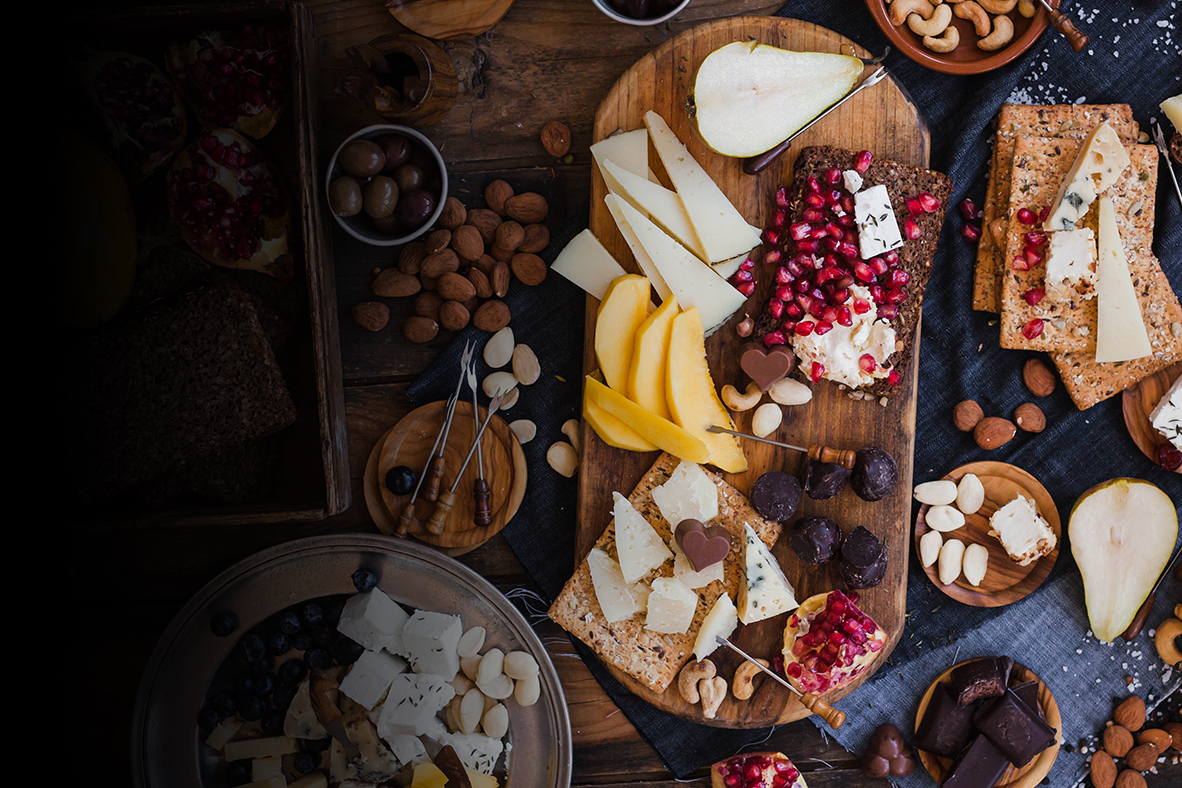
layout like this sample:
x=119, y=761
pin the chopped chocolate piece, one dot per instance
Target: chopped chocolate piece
x=861, y=548
x=814, y=539
x=776, y=495
x=982, y=678
x=946, y=727
x=824, y=479
x=979, y=766
x=875, y=474
x=863, y=577
x=1014, y=729
x=1027, y=692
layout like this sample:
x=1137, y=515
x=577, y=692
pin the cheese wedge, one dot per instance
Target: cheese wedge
x=1102, y=158
x=688, y=494
x=727, y=268
x=662, y=433
x=694, y=283
x=719, y=226
x=615, y=600
x=765, y=591
x=1120, y=328
x=1173, y=109
x=671, y=607
x=720, y=622
x=585, y=262
x=656, y=202
x=614, y=206
x=638, y=546
x=628, y=150
x=646, y=378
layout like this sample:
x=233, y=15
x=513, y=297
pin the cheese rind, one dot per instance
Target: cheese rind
x=655, y=202
x=671, y=607
x=689, y=494
x=878, y=230
x=1120, y=327
x=1166, y=418
x=638, y=546
x=1071, y=266
x=720, y=622
x=1102, y=158
x=765, y=592
x=585, y=262
x=615, y=600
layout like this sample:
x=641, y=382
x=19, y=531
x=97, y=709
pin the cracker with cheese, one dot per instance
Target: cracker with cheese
x=1015, y=121
x=654, y=658
x=1069, y=325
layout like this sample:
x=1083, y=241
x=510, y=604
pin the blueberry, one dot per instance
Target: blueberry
x=289, y=623
x=253, y=647
x=401, y=480
x=262, y=666
x=223, y=623
x=207, y=719
x=225, y=703
x=323, y=636
x=278, y=644
x=302, y=642
x=238, y=773
x=317, y=745
x=347, y=651
x=272, y=723
x=304, y=762
x=364, y=580
x=244, y=684
x=264, y=685
x=251, y=708
x=282, y=697
x=318, y=659
x=311, y=614
x=290, y=672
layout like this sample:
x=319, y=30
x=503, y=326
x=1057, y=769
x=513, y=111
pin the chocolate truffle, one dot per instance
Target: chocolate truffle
x=875, y=474
x=861, y=548
x=814, y=539
x=776, y=496
x=824, y=479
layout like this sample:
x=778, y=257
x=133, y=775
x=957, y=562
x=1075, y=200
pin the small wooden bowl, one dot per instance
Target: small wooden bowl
x=1139, y=401
x=967, y=58
x=1005, y=581
x=448, y=20
x=1032, y=773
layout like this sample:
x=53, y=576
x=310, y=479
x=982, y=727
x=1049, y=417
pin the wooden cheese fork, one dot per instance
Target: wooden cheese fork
x=833, y=718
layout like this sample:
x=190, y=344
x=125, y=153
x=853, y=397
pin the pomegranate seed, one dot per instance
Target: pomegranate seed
x=775, y=308
x=835, y=230
x=858, y=638
x=743, y=276
x=814, y=185
x=807, y=246
x=1020, y=264
x=914, y=206
x=894, y=378
x=847, y=221
x=764, y=762
x=802, y=286
x=814, y=200
x=833, y=176
x=1033, y=329
x=968, y=209
x=1035, y=238
x=752, y=772
x=748, y=264
x=844, y=317
x=794, y=311
x=897, y=278
x=773, y=237
x=788, y=327
x=930, y=204
x=861, y=306
x=911, y=229
x=733, y=781
x=971, y=232
x=817, y=309
x=781, y=767
x=819, y=233
x=896, y=295
x=817, y=371
x=1033, y=257
x=1169, y=457
x=828, y=273
x=804, y=328
x=779, y=218
x=813, y=215
x=798, y=265
x=878, y=265
x=832, y=197
x=783, y=197
x=862, y=161
x=774, y=338
x=794, y=670
x=840, y=295
x=878, y=294
x=847, y=250
x=863, y=272
x=746, y=288
x=831, y=244
x=1044, y=213
x=1034, y=295
x=784, y=293
x=847, y=203
x=1026, y=216
x=888, y=311
x=800, y=231
x=783, y=276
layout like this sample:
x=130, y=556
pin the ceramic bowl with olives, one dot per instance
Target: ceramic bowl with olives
x=386, y=184
x=641, y=12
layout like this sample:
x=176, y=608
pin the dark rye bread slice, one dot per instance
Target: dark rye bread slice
x=915, y=257
x=191, y=377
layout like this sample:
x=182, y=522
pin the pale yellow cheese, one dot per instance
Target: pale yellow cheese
x=612, y=593
x=657, y=203
x=227, y=729
x=1102, y=158
x=628, y=150
x=638, y=546
x=720, y=622
x=1173, y=109
x=1120, y=328
x=671, y=607
x=615, y=207
x=585, y=262
x=260, y=748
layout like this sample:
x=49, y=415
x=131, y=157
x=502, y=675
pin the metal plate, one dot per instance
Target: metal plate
x=166, y=744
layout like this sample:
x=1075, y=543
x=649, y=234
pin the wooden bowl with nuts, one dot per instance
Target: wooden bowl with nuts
x=961, y=36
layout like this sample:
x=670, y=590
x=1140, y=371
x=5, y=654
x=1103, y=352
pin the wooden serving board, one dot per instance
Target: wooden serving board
x=880, y=119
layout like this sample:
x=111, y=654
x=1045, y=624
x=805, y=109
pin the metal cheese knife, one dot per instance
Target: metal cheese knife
x=834, y=718
x=1160, y=139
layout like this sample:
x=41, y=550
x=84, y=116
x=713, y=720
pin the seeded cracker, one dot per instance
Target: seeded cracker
x=653, y=658
x=1014, y=121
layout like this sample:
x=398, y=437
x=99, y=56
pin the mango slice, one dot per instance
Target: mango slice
x=623, y=308
x=612, y=431
x=646, y=379
x=662, y=433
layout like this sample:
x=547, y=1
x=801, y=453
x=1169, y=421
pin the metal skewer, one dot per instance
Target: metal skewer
x=483, y=516
x=443, y=506
x=834, y=718
x=1143, y=612
x=437, y=466
x=1160, y=139
x=1075, y=37
x=843, y=457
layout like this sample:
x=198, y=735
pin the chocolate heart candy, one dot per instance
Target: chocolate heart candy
x=703, y=546
x=765, y=367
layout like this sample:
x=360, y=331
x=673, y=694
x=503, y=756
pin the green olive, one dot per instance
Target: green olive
x=344, y=196
x=380, y=197
x=362, y=158
x=390, y=226
x=409, y=177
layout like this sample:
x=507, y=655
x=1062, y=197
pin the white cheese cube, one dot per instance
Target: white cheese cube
x=671, y=607
x=720, y=622
x=476, y=751
x=249, y=749
x=684, y=571
x=374, y=620
x=1022, y=531
x=411, y=704
x=432, y=641
x=1167, y=416
x=266, y=768
x=690, y=494
x=408, y=749
x=765, y=591
x=370, y=677
x=1102, y=158
x=226, y=730
x=611, y=591
x=638, y=546
x=878, y=230
x=853, y=181
x=1071, y=266
x=301, y=722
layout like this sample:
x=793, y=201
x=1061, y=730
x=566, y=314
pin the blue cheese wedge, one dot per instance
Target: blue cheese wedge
x=301, y=721
x=374, y=620
x=765, y=591
x=476, y=751
x=1101, y=161
x=376, y=763
x=614, y=597
x=638, y=546
x=690, y=494
x=1167, y=416
x=878, y=230
x=366, y=683
x=1071, y=266
x=671, y=607
x=431, y=641
x=720, y=622
x=412, y=703
x=1022, y=531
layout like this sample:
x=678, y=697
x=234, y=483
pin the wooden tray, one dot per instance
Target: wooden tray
x=450, y=20
x=880, y=119
x=1005, y=581
x=1032, y=773
x=408, y=443
x=1139, y=401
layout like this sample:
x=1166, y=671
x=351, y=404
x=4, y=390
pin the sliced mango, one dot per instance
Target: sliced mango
x=691, y=396
x=662, y=433
x=624, y=307
x=612, y=431
x=646, y=379
x=428, y=775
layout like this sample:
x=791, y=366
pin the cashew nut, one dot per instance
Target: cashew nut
x=901, y=9
x=739, y=402
x=691, y=674
x=937, y=24
x=1169, y=630
x=1003, y=33
x=743, y=684
x=998, y=6
x=945, y=42
x=713, y=693
x=1027, y=8
x=976, y=14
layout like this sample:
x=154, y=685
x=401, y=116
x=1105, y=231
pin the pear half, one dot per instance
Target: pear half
x=1122, y=534
x=750, y=97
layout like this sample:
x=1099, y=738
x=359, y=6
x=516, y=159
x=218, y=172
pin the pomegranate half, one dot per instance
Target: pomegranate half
x=230, y=205
x=756, y=770
x=829, y=642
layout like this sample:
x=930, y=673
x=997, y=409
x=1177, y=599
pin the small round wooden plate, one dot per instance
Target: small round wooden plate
x=1139, y=401
x=409, y=442
x=451, y=20
x=1005, y=581
x=1032, y=773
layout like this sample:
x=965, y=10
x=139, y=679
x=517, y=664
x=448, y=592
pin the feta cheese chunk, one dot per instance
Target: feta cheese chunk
x=1102, y=158
x=639, y=547
x=690, y=494
x=765, y=591
x=1022, y=531
x=853, y=181
x=878, y=230
x=412, y=703
x=374, y=620
x=614, y=597
x=408, y=749
x=1071, y=266
x=671, y=606
x=476, y=751
x=1167, y=416
x=841, y=349
x=367, y=681
x=432, y=643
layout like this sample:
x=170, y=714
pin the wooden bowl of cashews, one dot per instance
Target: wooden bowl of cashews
x=961, y=36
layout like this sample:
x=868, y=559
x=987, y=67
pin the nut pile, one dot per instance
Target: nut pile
x=932, y=20
x=994, y=431
x=699, y=682
x=1126, y=738
x=955, y=558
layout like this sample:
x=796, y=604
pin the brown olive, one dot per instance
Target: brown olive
x=409, y=177
x=390, y=226
x=415, y=208
x=362, y=158
x=344, y=196
x=381, y=195
x=397, y=149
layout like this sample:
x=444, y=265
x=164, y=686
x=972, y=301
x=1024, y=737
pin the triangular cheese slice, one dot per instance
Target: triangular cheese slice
x=721, y=229
x=671, y=607
x=720, y=622
x=765, y=591
x=1101, y=160
x=585, y=262
x=656, y=202
x=611, y=591
x=638, y=546
x=1120, y=328
x=628, y=150
x=614, y=206
x=727, y=268
x=689, y=494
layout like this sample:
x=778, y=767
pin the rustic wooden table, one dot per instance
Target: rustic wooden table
x=546, y=59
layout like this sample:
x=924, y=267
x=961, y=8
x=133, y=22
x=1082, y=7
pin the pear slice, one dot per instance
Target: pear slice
x=750, y=97
x=1122, y=533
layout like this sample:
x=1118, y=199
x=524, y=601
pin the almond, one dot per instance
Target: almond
x=500, y=253
x=526, y=368
x=454, y=214
x=485, y=263
x=509, y=235
x=966, y=415
x=437, y=241
x=454, y=287
x=528, y=208
x=427, y=304
x=993, y=432
x=1117, y=741
x=373, y=316
x=392, y=283
x=1103, y=770
x=1130, y=779
x=429, y=282
x=1142, y=757
x=1130, y=714
x=556, y=138
x=1157, y=737
x=1038, y=377
x=496, y=194
x=410, y=259
x=491, y=316
x=420, y=329
x=500, y=280
x=529, y=268
x=480, y=282
x=453, y=315
x=485, y=221
x=537, y=238
x=442, y=262
x=467, y=243
x=1029, y=418
x=1175, y=731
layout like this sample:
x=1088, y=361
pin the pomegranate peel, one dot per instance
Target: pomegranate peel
x=756, y=770
x=812, y=659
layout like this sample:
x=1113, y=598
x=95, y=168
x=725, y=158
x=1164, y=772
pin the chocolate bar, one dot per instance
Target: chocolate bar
x=981, y=678
x=1027, y=692
x=946, y=727
x=1014, y=729
x=979, y=766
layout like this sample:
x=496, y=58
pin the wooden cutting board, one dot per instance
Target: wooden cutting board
x=881, y=119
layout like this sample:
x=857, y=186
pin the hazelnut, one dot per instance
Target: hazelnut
x=556, y=138
x=966, y=415
x=1030, y=418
